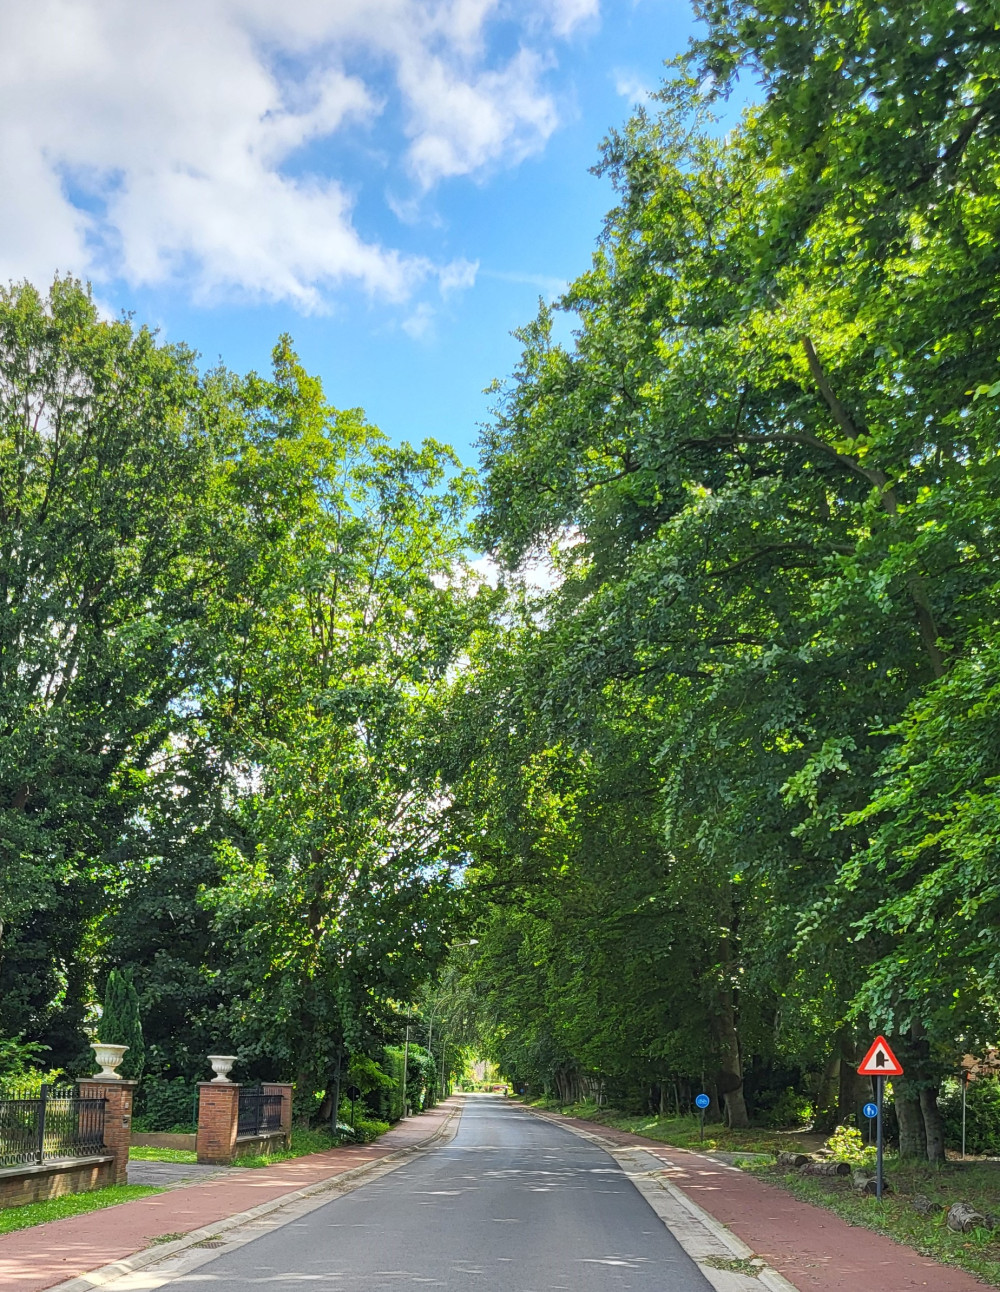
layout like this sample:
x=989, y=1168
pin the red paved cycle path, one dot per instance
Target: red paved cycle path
x=814, y=1249
x=37, y=1258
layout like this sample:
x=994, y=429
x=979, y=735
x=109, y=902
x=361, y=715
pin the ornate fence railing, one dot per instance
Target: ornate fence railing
x=56, y=1123
x=259, y=1112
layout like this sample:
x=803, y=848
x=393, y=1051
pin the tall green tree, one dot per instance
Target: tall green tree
x=339, y=862
x=112, y=548
x=121, y=1024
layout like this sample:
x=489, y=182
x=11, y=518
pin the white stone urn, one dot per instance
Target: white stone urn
x=221, y=1065
x=109, y=1057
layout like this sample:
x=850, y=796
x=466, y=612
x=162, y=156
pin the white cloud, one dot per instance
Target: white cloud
x=632, y=87
x=163, y=143
x=419, y=324
x=547, y=284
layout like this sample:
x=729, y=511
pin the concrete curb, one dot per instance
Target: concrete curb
x=354, y=1177
x=650, y=1183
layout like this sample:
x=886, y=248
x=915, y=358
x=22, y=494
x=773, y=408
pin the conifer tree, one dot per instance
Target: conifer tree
x=121, y=1024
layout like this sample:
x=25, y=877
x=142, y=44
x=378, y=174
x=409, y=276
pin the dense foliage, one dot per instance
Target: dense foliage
x=734, y=787
x=717, y=795
x=228, y=614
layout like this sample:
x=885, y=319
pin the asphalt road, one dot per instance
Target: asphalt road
x=512, y=1204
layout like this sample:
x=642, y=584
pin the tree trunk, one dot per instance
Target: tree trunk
x=933, y=1125
x=827, y=1093
x=854, y=1090
x=912, y=1136
x=730, y=1074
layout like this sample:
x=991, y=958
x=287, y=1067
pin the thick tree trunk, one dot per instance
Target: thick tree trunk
x=827, y=1093
x=933, y=1125
x=912, y=1137
x=730, y=1075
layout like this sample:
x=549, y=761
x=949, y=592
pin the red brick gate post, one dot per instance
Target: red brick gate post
x=117, y=1118
x=218, y=1116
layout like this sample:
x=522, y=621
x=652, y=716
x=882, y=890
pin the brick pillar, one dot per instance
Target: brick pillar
x=218, y=1114
x=117, y=1118
x=276, y=1087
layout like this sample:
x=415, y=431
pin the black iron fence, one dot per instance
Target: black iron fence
x=259, y=1113
x=55, y=1123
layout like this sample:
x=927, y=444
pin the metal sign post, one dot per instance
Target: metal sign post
x=701, y=1103
x=965, y=1093
x=879, y=1062
x=871, y=1112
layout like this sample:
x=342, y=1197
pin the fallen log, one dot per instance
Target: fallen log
x=793, y=1159
x=825, y=1168
x=865, y=1182
x=964, y=1218
x=924, y=1205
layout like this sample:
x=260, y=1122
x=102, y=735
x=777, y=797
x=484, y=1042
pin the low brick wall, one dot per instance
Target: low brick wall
x=20, y=1185
x=255, y=1144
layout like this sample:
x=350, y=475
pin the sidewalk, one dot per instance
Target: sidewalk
x=814, y=1249
x=40, y=1257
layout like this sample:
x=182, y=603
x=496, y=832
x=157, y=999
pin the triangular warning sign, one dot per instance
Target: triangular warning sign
x=880, y=1061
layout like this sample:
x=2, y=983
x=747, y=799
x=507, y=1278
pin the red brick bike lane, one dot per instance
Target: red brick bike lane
x=44, y=1255
x=814, y=1249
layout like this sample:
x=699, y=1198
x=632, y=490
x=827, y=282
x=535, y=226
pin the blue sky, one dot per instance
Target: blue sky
x=394, y=183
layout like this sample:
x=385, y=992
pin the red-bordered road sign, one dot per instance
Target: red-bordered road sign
x=880, y=1061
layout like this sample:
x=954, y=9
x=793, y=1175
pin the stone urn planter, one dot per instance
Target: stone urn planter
x=109, y=1057
x=221, y=1065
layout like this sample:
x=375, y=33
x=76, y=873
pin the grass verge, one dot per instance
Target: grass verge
x=683, y=1132
x=303, y=1143
x=74, y=1204
x=138, y=1153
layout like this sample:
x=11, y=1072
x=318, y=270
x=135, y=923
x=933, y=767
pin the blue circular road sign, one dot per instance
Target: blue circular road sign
x=702, y=1101
x=870, y=1110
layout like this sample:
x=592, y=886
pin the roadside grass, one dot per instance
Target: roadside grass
x=74, y=1204
x=975, y=1183
x=138, y=1153
x=683, y=1132
x=303, y=1142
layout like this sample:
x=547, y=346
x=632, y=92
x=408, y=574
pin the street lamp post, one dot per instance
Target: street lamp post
x=406, y=1058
